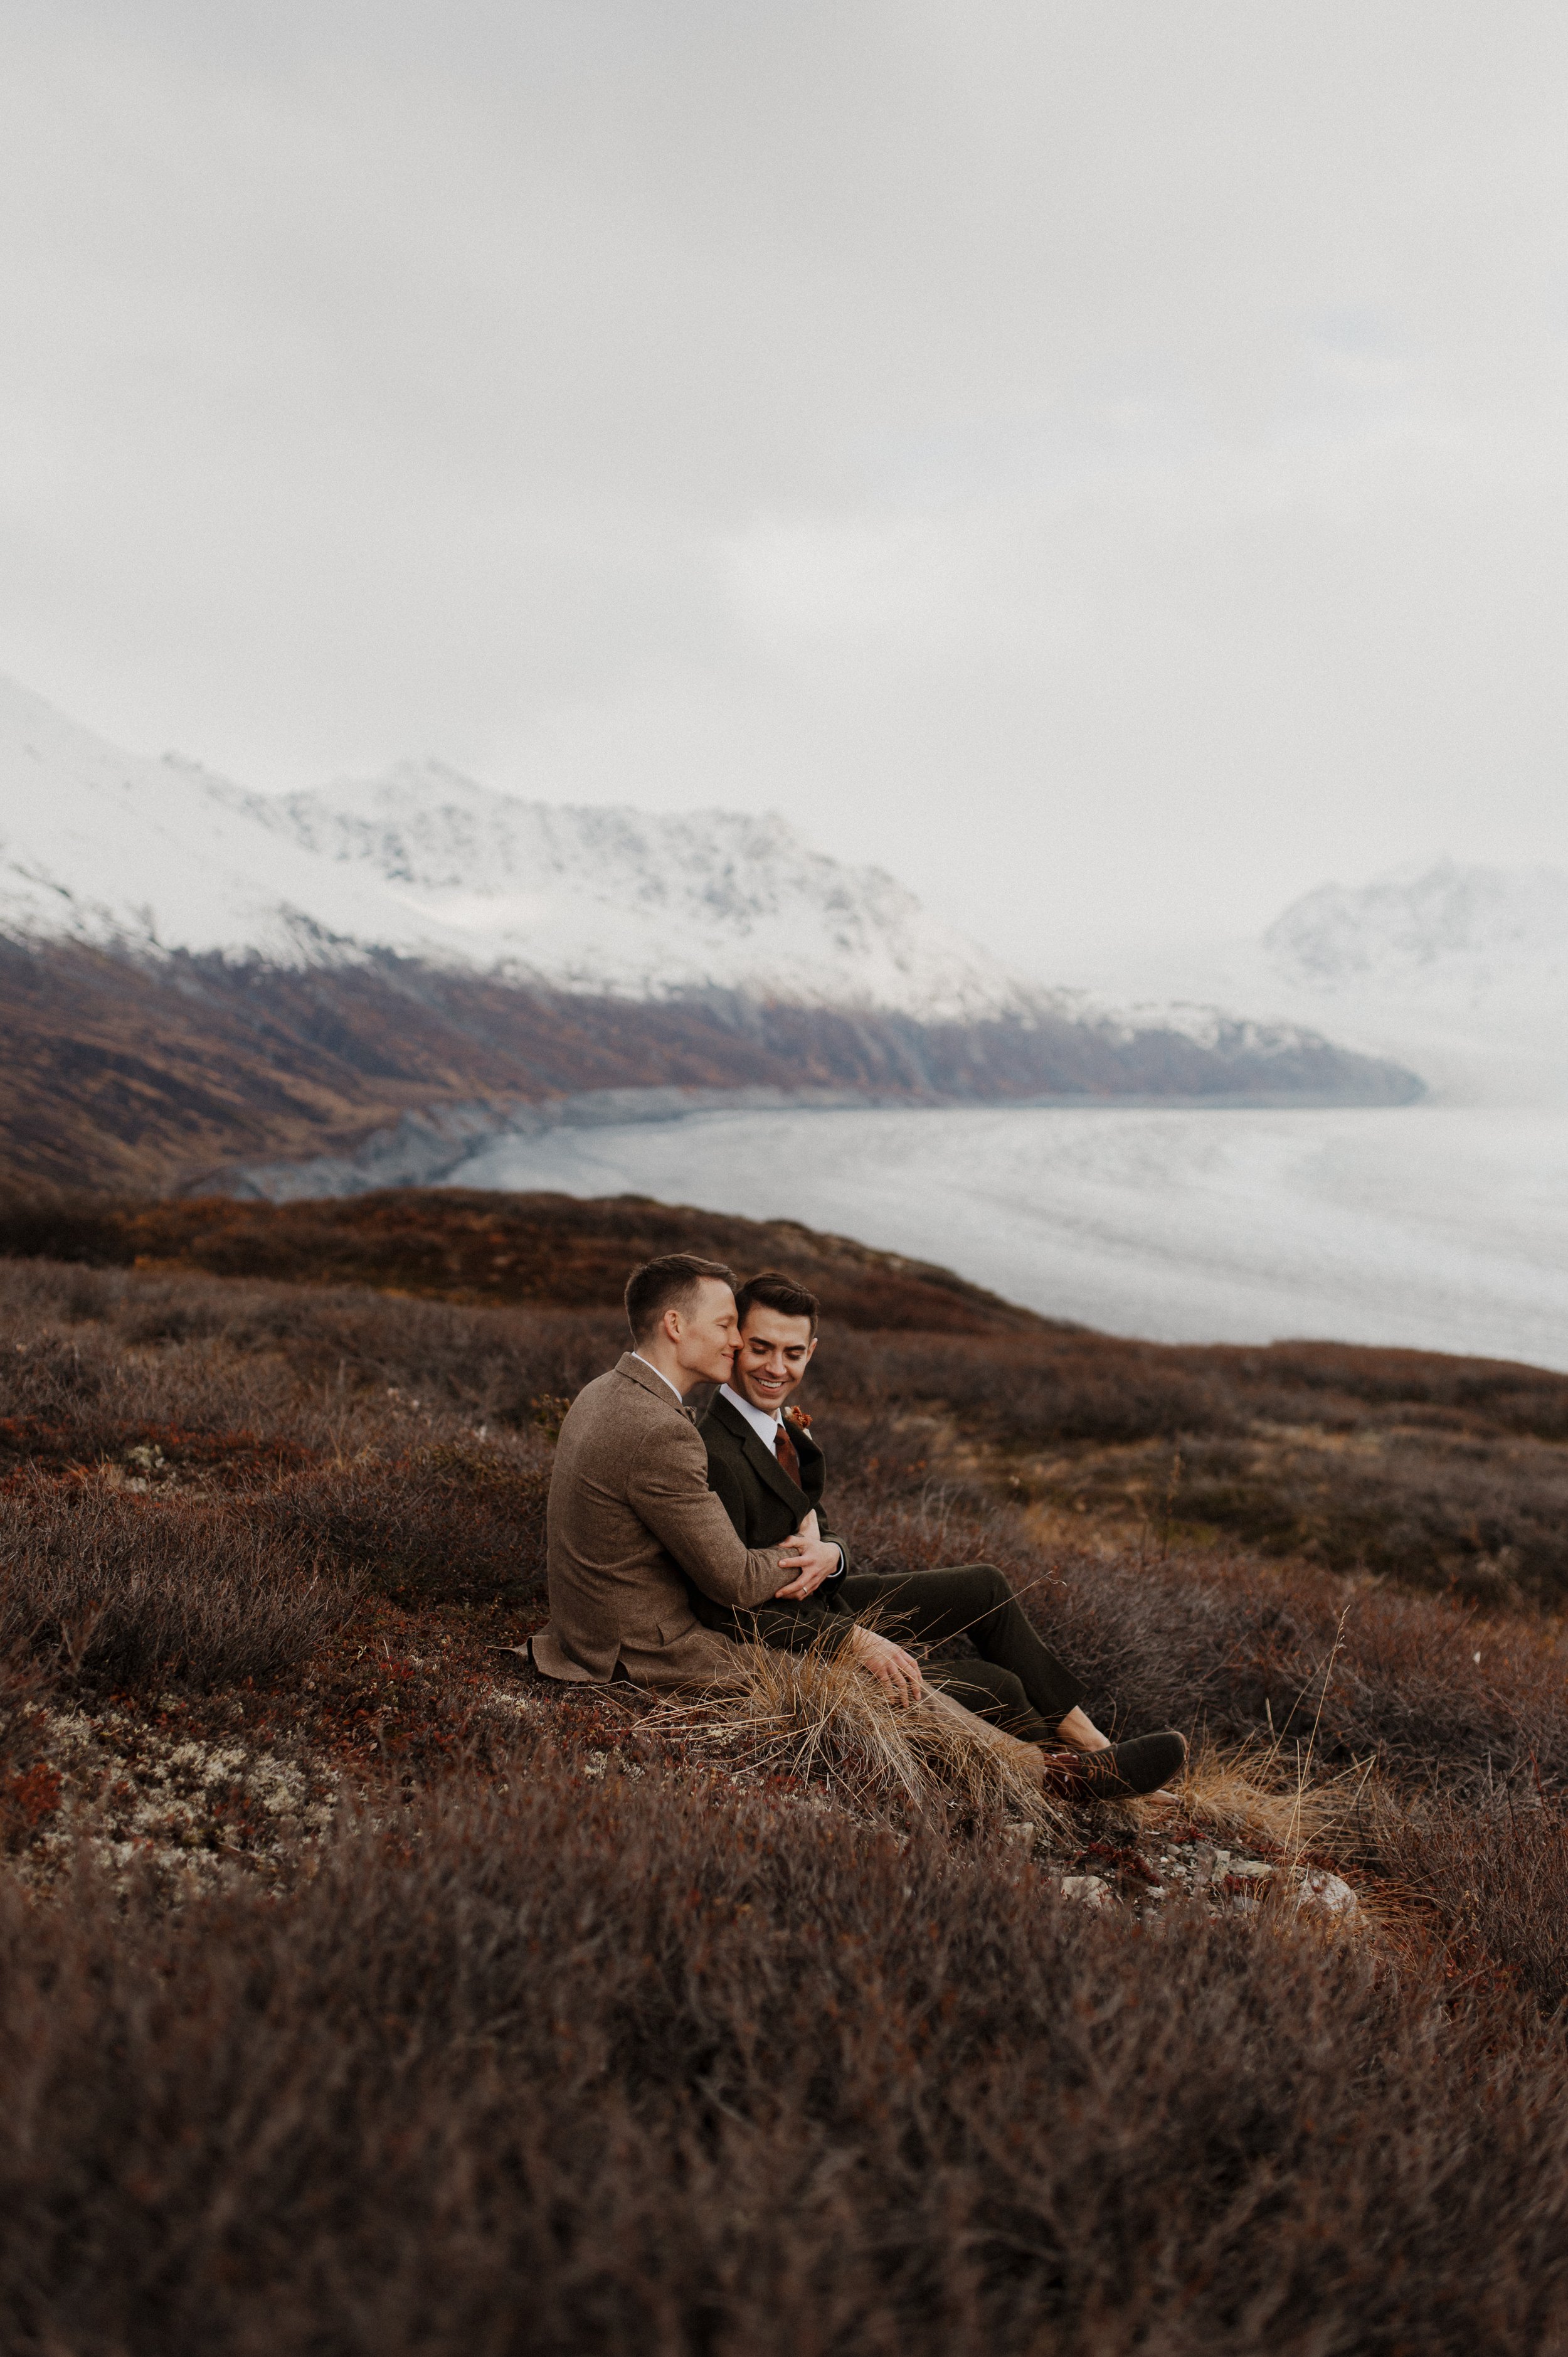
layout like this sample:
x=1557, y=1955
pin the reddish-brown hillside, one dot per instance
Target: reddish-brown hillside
x=147, y=1076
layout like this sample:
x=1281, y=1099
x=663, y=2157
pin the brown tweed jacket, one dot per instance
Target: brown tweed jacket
x=630, y=1511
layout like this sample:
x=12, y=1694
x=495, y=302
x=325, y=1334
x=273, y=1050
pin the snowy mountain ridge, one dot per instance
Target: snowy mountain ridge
x=426, y=882
x=601, y=898
x=98, y=847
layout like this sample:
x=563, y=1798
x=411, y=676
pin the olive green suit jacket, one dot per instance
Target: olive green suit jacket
x=766, y=1507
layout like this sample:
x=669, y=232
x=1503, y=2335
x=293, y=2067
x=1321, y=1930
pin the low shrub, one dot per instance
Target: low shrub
x=1033, y=1389
x=446, y=1524
x=1287, y=1381
x=1495, y=1871
x=635, y=2071
x=1487, y=1522
x=102, y=1348
x=138, y=1591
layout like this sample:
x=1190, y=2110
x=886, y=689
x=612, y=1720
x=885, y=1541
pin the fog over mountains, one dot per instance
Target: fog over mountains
x=1459, y=970
x=1445, y=930
x=195, y=972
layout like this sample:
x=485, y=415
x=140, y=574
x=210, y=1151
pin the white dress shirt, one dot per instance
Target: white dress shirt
x=660, y=1372
x=767, y=1425
x=764, y=1422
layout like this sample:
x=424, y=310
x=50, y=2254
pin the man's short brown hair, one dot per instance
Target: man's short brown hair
x=771, y=1289
x=669, y=1283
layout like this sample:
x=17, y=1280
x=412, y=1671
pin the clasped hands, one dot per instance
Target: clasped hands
x=810, y=1559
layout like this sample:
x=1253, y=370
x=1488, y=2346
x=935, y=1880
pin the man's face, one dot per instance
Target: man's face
x=774, y=1353
x=705, y=1332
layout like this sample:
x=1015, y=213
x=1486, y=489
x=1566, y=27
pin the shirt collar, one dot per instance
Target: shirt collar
x=763, y=1424
x=661, y=1375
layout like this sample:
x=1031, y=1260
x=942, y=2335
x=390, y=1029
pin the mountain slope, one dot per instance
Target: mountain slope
x=161, y=1073
x=101, y=847
x=1461, y=969
x=194, y=977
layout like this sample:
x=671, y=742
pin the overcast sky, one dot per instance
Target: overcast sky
x=1106, y=462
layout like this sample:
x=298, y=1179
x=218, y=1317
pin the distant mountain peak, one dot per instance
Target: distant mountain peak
x=1435, y=927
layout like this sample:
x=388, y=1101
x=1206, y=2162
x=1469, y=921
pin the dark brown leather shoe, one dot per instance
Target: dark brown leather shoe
x=1119, y=1773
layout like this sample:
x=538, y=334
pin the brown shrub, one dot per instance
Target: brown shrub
x=1031, y=1390
x=135, y=1591
x=449, y=1525
x=103, y=1350
x=22, y=1689
x=547, y=1250
x=1496, y=1873
x=1246, y=1651
x=1283, y=1381
x=1483, y=1521
x=626, y=2072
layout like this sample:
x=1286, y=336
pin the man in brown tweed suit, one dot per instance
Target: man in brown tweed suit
x=630, y=1510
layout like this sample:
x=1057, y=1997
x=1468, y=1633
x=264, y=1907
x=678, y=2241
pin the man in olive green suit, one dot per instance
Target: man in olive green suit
x=768, y=1474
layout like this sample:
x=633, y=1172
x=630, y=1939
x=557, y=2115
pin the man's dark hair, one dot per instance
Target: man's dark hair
x=771, y=1289
x=668, y=1283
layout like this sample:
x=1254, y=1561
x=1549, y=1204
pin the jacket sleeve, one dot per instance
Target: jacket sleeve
x=726, y=1489
x=793, y=1624
x=828, y=1532
x=666, y=1488
x=842, y=1546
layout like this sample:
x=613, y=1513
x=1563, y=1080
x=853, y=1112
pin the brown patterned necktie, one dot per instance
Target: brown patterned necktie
x=787, y=1455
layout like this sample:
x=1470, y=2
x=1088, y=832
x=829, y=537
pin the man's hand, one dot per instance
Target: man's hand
x=898, y=1672
x=808, y=1558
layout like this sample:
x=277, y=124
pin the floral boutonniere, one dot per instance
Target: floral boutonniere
x=799, y=1418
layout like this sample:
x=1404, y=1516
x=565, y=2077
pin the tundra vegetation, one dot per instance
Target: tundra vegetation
x=360, y=1994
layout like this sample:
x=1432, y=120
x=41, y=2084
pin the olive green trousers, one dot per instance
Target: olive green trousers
x=1006, y=1674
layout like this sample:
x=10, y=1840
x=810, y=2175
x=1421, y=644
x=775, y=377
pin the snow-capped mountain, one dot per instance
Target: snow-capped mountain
x=98, y=847
x=623, y=900
x=1461, y=970
x=1445, y=930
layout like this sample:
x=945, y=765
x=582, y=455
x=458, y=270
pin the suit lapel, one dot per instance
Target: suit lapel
x=650, y=1379
x=761, y=1460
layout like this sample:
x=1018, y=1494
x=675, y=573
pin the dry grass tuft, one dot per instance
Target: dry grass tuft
x=1496, y=1876
x=1257, y=1793
x=815, y=1718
